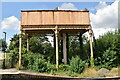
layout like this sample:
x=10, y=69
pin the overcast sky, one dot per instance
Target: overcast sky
x=103, y=15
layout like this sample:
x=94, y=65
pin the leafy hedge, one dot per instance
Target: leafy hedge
x=36, y=62
x=76, y=65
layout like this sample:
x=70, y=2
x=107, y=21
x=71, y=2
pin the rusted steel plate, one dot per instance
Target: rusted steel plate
x=52, y=17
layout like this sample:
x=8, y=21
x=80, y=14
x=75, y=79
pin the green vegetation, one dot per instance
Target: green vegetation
x=41, y=57
x=3, y=45
x=107, y=50
x=76, y=65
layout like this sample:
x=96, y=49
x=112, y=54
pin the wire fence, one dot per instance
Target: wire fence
x=5, y=57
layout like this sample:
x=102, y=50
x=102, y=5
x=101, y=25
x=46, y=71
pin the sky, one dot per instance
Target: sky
x=103, y=15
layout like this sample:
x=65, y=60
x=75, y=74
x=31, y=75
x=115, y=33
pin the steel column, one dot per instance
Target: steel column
x=20, y=49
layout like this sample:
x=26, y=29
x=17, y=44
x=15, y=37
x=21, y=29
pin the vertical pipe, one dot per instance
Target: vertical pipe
x=91, y=48
x=20, y=48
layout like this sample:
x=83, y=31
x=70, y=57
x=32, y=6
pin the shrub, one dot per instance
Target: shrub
x=34, y=62
x=37, y=62
x=108, y=59
x=40, y=65
x=64, y=67
x=76, y=65
x=14, y=56
x=51, y=67
x=72, y=74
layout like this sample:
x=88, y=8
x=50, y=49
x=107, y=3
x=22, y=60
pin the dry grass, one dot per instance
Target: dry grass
x=111, y=74
x=114, y=72
x=90, y=72
x=114, y=69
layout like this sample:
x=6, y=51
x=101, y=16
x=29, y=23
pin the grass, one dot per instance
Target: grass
x=89, y=72
x=114, y=72
x=61, y=73
x=66, y=73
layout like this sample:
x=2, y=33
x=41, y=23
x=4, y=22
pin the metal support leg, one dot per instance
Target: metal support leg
x=57, y=62
x=91, y=48
x=20, y=49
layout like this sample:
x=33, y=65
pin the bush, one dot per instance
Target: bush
x=76, y=65
x=63, y=67
x=34, y=62
x=108, y=59
x=40, y=65
x=14, y=55
x=37, y=62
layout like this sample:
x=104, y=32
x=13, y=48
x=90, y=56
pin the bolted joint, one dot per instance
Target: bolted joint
x=56, y=33
x=90, y=33
x=20, y=35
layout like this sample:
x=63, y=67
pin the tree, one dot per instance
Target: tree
x=3, y=45
x=41, y=44
x=38, y=44
x=107, y=50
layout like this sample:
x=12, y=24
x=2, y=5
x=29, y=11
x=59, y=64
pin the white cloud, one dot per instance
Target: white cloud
x=101, y=5
x=106, y=17
x=67, y=6
x=101, y=31
x=10, y=23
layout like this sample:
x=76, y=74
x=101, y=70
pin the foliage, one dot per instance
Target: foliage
x=108, y=59
x=106, y=50
x=72, y=74
x=38, y=44
x=76, y=65
x=40, y=65
x=15, y=42
x=14, y=56
x=41, y=57
x=64, y=67
x=37, y=62
x=3, y=45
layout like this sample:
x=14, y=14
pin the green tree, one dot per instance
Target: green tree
x=107, y=50
x=3, y=45
x=38, y=44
